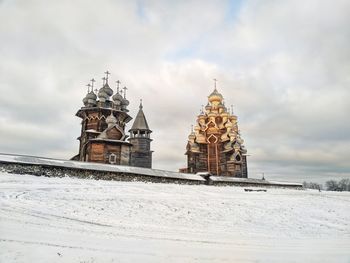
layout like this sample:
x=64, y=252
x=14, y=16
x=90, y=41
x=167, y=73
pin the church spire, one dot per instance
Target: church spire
x=141, y=154
x=140, y=122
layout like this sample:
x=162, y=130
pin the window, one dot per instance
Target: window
x=112, y=158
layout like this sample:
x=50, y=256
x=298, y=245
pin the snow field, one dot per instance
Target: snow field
x=74, y=220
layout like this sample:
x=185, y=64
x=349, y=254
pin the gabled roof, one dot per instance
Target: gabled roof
x=140, y=122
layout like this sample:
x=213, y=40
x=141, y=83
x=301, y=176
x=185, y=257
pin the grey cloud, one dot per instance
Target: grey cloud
x=284, y=65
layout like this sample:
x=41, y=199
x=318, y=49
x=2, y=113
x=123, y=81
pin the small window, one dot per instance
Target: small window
x=112, y=158
x=238, y=158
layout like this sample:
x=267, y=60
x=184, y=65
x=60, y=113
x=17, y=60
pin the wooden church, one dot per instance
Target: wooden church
x=103, y=138
x=215, y=144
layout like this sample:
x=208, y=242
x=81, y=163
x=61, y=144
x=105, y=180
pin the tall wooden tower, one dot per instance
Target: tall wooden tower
x=141, y=154
x=215, y=144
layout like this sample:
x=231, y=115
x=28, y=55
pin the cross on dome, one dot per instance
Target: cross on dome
x=118, y=83
x=107, y=73
x=125, y=88
x=88, y=85
x=215, y=80
x=92, y=83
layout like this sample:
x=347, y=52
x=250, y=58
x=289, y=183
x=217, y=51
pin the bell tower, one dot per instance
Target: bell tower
x=141, y=154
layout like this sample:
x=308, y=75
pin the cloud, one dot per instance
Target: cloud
x=282, y=64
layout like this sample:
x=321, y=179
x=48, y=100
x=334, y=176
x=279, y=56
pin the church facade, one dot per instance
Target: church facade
x=103, y=138
x=215, y=144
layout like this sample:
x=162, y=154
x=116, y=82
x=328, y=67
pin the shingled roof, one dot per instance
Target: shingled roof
x=140, y=122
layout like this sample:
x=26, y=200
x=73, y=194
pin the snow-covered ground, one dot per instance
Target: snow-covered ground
x=74, y=220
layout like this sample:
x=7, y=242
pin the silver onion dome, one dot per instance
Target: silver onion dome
x=107, y=89
x=117, y=98
x=111, y=120
x=91, y=96
x=102, y=95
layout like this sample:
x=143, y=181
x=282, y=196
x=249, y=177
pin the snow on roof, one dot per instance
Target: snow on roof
x=25, y=159
x=92, y=130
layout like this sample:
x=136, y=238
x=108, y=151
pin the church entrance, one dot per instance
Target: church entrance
x=213, y=160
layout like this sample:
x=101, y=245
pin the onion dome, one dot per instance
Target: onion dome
x=102, y=95
x=215, y=96
x=105, y=92
x=228, y=124
x=233, y=117
x=223, y=106
x=201, y=113
x=211, y=114
x=224, y=114
x=111, y=120
x=208, y=107
x=125, y=102
x=107, y=89
x=202, y=116
x=91, y=98
x=236, y=146
x=117, y=98
x=192, y=136
x=85, y=100
x=239, y=139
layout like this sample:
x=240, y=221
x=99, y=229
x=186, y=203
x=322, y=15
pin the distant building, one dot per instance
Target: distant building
x=103, y=138
x=215, y=144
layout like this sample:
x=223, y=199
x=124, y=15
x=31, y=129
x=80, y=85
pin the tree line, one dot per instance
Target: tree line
x=331, y=185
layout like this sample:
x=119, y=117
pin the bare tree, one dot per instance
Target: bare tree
x=344, y=185
x=332, y=185
x=312, y=185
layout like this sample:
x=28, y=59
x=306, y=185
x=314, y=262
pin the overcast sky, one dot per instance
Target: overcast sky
x=284, y=65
